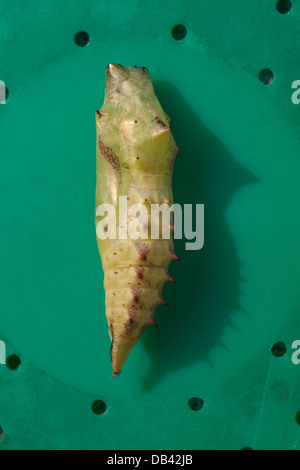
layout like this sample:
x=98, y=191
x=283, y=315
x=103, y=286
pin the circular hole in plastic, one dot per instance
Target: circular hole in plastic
x=284, y=6
x=196, y=404
x=179, y=32
x=82, y=38
x=266, y=76
x=99, y=407
x=279, y=349
x=298, y=418
x=13, y=362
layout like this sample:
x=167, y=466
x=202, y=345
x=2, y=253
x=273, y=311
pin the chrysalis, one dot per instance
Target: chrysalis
x=135, y=157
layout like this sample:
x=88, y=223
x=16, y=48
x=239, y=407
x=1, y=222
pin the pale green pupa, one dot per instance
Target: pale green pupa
x=135, y=157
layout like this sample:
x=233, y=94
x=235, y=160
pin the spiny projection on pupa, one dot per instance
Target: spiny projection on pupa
x=135, y=158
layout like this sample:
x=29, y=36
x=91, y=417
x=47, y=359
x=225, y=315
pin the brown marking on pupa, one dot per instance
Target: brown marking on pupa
x=161, y=123
x=139, y=272
x=136, y=294
x=110, y=157
x=111, y=328
x=111, y=348
x=142, y=250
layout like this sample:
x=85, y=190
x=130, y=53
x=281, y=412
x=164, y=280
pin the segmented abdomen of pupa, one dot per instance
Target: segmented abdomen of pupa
x=135, y=157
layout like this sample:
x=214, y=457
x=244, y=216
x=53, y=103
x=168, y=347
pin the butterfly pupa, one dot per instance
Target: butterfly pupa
x=135, y=157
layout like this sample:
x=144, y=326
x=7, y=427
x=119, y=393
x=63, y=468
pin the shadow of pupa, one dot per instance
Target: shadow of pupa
x=209, y=279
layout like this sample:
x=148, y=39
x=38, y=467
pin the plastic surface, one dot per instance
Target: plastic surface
x=237, y=297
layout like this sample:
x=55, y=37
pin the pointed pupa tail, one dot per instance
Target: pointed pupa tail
x=115, y=373
x=119, y=353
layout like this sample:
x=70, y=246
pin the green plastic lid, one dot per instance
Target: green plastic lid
x=213, y=375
